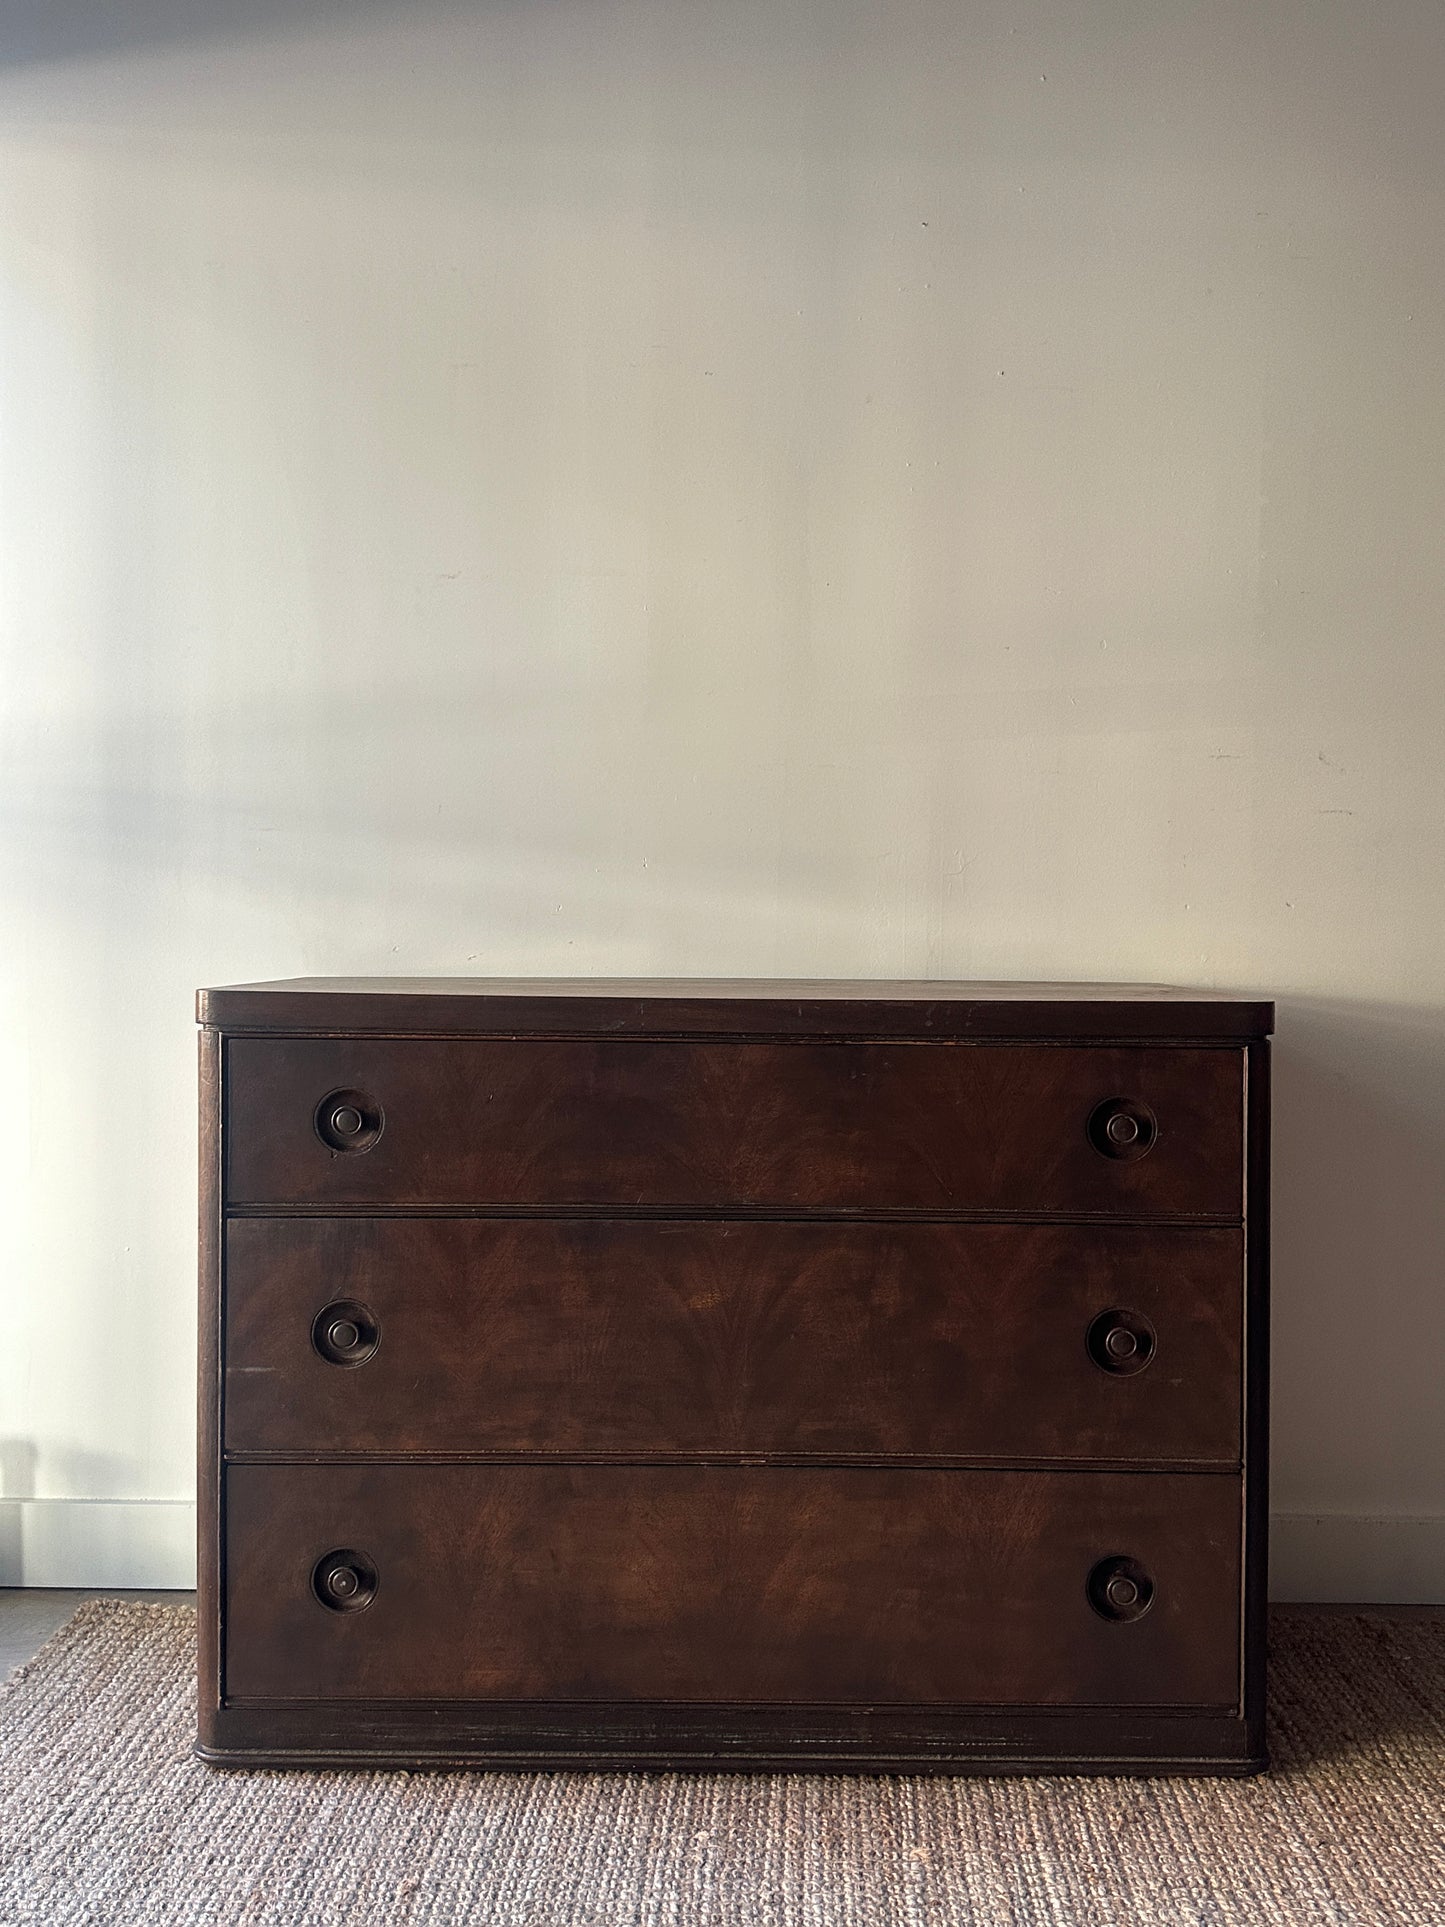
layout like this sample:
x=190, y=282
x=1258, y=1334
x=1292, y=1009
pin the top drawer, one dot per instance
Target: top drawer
x=620, y=1124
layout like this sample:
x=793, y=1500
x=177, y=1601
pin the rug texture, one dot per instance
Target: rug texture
x=105, y=1817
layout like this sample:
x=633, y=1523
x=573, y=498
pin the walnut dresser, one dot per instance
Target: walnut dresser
x=833, y=1376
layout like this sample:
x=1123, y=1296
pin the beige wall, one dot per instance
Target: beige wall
x=939, y=489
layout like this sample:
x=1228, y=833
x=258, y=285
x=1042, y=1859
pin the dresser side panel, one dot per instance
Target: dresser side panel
x=209, y=1349
x=1256, y=1392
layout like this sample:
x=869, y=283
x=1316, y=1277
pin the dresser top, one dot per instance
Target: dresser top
x=704, y=1006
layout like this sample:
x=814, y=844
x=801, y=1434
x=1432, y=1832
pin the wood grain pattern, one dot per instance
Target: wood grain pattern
x=597, y=1337
x=730, y=1406
x=692, y=1736
x=721, y=1007
x=773, y=1584
x=622, y=1124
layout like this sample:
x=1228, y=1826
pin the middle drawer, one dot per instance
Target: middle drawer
x=686, y=1338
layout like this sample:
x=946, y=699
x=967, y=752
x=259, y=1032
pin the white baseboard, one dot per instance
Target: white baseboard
x=1353, y=1558
x=152, y=1543
x=95, y=1543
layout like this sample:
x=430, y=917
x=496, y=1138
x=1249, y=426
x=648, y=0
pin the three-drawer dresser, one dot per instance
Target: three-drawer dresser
x=832, y=1376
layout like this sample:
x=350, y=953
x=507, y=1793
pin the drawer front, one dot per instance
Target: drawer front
x=763, y=1584
x=623, y=1124
x=595, y=1337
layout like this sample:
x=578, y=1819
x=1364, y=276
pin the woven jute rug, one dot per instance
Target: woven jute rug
x=105, y=1817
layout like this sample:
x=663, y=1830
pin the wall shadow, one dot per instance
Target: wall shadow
x=1358, y=1253
x=17, y=1482
x=38, y=32
x=73, y=1477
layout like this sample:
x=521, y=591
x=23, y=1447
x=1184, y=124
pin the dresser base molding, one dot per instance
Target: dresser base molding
x=636, y=1737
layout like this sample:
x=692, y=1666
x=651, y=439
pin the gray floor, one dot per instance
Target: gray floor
x=30, y=1614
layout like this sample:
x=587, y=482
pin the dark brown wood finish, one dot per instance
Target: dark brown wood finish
x=716, y=1378
x=774, y=1584
x=1255, y=1573
x=732, y=1126
x=594, y=1735
x=683, y=1338
x=210, y=1349
x=721, y=1007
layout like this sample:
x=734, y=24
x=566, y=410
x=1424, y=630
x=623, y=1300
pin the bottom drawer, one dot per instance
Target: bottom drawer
x=764, y=1584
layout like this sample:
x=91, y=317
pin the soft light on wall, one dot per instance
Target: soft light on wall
x=660, y=487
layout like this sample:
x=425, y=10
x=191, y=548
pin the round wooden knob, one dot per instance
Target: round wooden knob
x=345, y=1333
x=348, y=1121
x=1122, y=1128
x=344, y=1581
x=1121, y=1342
x=1120, y=1589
